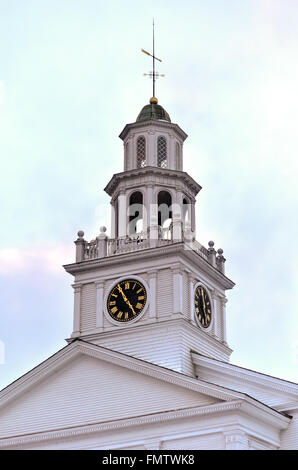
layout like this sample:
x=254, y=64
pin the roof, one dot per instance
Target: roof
x=153, y=111
x=55, y=392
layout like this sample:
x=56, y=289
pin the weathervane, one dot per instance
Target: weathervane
x=154, y=75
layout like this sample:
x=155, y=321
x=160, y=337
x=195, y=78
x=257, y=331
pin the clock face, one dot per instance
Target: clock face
x=126, y=300
x=203, y=307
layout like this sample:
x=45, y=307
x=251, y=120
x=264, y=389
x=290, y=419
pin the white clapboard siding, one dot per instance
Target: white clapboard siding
x=164, y=292
x=289, y=437
x=89, y=390
x=161, y=346
x=88, y=307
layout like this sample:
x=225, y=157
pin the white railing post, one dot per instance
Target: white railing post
x=80, y=247
x=102, y=243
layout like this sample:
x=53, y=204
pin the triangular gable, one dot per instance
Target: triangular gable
x=86, y=389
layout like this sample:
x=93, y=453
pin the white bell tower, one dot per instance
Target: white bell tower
x=152, y=246
x=152, y=179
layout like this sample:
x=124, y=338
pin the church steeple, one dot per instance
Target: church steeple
x=149, y=282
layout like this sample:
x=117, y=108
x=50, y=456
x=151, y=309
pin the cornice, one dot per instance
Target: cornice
x=148, y=171
x=151, y=253
x=121, y=423
x=123, y=258
x=150, y=124
x=157, y=418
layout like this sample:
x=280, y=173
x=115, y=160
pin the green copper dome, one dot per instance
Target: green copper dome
x=153, y=112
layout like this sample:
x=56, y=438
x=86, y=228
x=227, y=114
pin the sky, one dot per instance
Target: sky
x=71, y=77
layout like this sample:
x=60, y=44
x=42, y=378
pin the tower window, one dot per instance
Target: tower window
x=185, y=207
x=135, y=213
x=164, y=202
x=162, y=152
x=141, y=152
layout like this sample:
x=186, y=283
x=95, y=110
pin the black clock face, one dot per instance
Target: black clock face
x=126, y=300
x=203, y=307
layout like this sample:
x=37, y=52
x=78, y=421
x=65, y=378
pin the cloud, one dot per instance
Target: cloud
x=14, y=261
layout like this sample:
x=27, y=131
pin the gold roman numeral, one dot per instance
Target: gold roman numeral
x=120, y=315
x=112, y=302
x=114, y=309
x=126, y=285
x=139, y=305
x=126, y=315
x=140, y=290
x=141, y=297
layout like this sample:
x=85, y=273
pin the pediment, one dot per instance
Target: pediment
x=88, y=384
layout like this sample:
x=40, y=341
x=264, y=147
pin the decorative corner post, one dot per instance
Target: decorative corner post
x=102, y=243
x=80, y=246
x=211, y=253
x=220, y=261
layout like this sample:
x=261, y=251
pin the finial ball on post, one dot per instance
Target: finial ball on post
x=81, y=234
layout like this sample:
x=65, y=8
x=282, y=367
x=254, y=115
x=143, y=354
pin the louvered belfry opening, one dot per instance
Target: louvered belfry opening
x=162, y=152
x=141, y=152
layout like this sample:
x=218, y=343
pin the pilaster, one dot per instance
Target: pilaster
x=152, y=294
x=122, y=214
x=77, y=310
x=236, y=440
x=191, y=284
x=216, y=313
x=177, y=290
x=99, y=304
x=224, y=320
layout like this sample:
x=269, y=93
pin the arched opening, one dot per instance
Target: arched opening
x=135, y=213
x=164, y=201
x=162, y=152
x=141, y=152
x=185, y=211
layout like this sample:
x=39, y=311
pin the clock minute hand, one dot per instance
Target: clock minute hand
x=122, y=293
x=126, y=299
x=204, y=306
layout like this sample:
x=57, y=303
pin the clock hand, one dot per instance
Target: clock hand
x=130, y=306
x=125, y=299
x=204, y=306
x=122, y=293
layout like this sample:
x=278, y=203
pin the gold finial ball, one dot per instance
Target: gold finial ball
x=153, y=100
